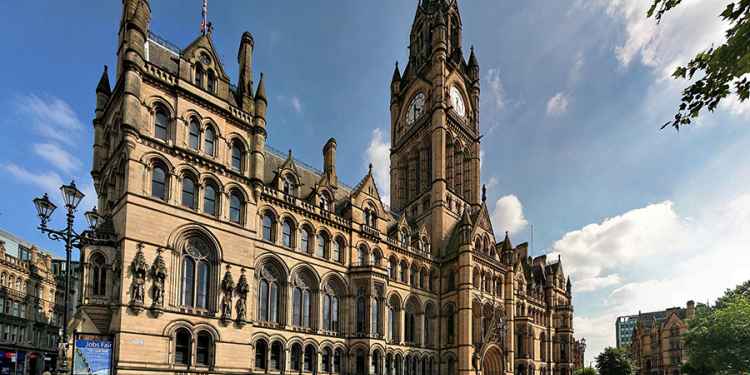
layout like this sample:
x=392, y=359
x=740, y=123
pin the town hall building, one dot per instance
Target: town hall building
x=231, y=258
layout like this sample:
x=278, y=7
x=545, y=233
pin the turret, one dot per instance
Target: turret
x=259, y=133
x=474, y=68
x=395, y=83
x=329, y=161
x=134, y=29
x=103, y=92
x=245, y=60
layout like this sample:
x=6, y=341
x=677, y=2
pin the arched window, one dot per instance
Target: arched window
x=413, y=276
x=287, y=233
x=290, y=185
x=543, y=347
x=404, y=238
x=211, y=199
x=304, y=242
x=321, y=245
x=360, y=311
x=410, y=328
x=99, y=276
x=268, y=226
x=301, y=306
x=182, y=347
x=261, y=353
x=336, y=253
x=268, y=295
x=393, y=323
x=194, y=134
x=338, y=356
x=362, y=255
x=309, y=359
x=238, y=154
x=276, y=356
x=375, y=363
x=203, y=349
x=422, y=276
x=360, y=362
x=404, y=271
x=199, y=75
x=236, y=206
x=327, y=360
x=161, y=123
x=209, y=140
x=331, y=310
x=211, y=82
x=393, y=269
x=159, y=182
x=377, y=257
x=188, y=192
x=427, y=326
x=196, y=273
x=375, y=316
x=325, y=202
x=450, y=324
x=296, y=357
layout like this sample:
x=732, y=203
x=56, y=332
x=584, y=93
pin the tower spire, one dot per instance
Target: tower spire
x=206, y=27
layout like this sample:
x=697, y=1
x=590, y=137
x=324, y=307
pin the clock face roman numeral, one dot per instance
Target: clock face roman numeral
x=457, y=101
x=416, y=109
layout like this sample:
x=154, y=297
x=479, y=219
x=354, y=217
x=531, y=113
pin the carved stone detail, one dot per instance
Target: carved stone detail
x=139, y=270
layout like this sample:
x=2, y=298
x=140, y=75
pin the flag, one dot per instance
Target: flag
x=204, y=14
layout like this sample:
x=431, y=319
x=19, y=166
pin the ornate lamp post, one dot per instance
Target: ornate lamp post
x=44, y=207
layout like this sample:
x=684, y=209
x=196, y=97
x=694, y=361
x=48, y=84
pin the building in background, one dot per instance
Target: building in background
x=657, y=345
x=32, y=286
x=579, y=354
x=624, y=327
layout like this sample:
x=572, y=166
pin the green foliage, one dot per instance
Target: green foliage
x=585, y=371
x=721, y=70
x=614, y=361
x=718, y=338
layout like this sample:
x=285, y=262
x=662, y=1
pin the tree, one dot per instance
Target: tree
x=585, y=371
x=613, y=361
x=722, y=70
x=718, y=338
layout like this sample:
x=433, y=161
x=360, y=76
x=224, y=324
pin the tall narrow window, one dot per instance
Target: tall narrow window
x=290, y=185
x=159, y=182
x=182, y=347
x=393, y=324
x=238, y=153
x=321, y=245
x=188, y=192
x=361, y=314
x=296, y=357
x=276, y=350
x=268, y=295
x=203, y=349
x=196, y=273
x=336, y=253
x=236, y=202
x=211, y=82
x=309, y=358
x=268, y=221
x=188, y=280
x=209, y=141
x=327, y=357
x=287, y=232
x=99, y=276
x=337, y=358
x=194, y=134
x=199, y=75
x=261, y=351
x=362, y=255
x=304, y=243
x=210, y=200
x=375, y=315
x=161, y=123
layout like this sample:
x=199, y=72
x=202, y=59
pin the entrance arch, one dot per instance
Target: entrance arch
x=493, y=363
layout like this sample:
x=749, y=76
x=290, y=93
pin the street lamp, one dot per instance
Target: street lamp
x=44, y=207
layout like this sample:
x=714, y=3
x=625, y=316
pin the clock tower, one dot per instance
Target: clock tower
x=435, y=124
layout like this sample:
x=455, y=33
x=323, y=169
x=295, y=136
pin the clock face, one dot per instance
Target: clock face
x=416, y=109
x=205, y=59
x=457, y=101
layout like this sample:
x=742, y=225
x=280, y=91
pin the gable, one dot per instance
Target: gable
x=204, y=44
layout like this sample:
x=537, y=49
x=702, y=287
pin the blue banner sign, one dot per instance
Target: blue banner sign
x=92, y=357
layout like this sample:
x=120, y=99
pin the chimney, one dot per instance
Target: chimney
x=329, y=160
x=245, y=60
x=691, y=309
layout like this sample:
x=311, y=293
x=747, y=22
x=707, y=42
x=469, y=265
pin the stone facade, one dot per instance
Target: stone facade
x=579, y=354
x=657, y=345
x=32, y=287
x=233, y=258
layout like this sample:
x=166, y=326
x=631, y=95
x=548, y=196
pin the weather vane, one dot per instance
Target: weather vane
x=206, y=27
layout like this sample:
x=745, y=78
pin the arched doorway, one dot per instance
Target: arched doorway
x=492, y=364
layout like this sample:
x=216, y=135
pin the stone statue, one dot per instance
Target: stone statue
x=139, y=269
x=158, y=275
x=243, y=288
x=227, y=285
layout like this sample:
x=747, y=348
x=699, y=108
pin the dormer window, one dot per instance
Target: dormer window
x=199, y=75
x=289, y=185
x=211, y=82
x=371, y=217
x=325, y=202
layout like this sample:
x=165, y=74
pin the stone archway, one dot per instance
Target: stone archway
x=493, y=363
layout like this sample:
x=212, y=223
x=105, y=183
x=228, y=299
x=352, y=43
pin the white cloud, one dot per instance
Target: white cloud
x=653, y=258
x=734, y=106
x=52, y=117
x=508, y=215
x=294, y=102
x=558, y=104
x=48, y=182
x=379, y=155
x=58, y=157
x=497, y=91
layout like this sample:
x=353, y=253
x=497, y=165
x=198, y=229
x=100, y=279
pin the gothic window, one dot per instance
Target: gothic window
x=210, y=199
x=375, y=315
x=375, y=363
x=410, y=329
x=211, y=81
x=196, y=273
x=236, y=207
x=161, y=123
x=301, y=306
x=98, y=276
x=199, y=75
x=268, y=295
x=360, y=362
x=238, y=154
x=261, y=352
x=413, y=277
x=321, y=245
x=331, y=310
x=296, y=357
x=290, y=185
x=327, y=357
x=377, y=257
x=450, y=324
x=422, y=276
x=393, y=268
x=276, y=358
x=338, y=246
x=338, y=355
x=389, y=364
x=194, y=134
x=209, y=141
x=309, y=358
x=268, y=226
x=188, y=192
x=371, y=216
x=325, y=202
x=543, y=346
x=427, y=325
x=159, y=182
x=287, y=233
x=183, y=347
x=360, y=312
x=304, y=243
x=404, y=271
x=362, y=255
x=393, y=322
x=404, y=238
x=203, y=349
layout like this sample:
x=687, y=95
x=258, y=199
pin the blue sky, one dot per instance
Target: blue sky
x=573, y=95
